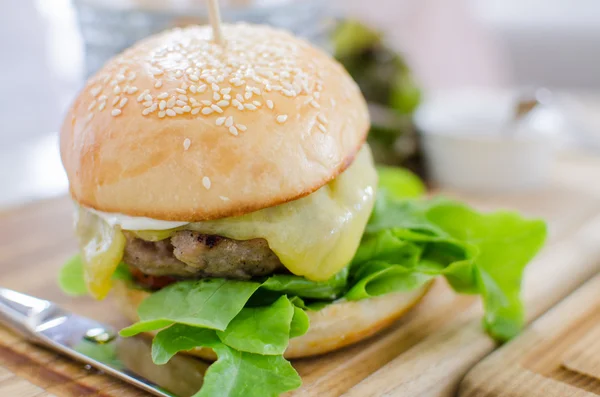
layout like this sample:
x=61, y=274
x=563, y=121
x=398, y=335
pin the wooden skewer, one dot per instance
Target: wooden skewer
x=214, y=15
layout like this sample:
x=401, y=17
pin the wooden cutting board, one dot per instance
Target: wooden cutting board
x=425, y=354
x=559, y=355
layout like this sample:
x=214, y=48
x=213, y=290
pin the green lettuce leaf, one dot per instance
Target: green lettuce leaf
x=208, y=303
x=300, y=323
x=303, y=288
x=235, y=373
x=409, y=242
x=261, y=330
x=399, y=183
x=70, y=277
x=71, y=280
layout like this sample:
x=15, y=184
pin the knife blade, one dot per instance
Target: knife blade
x=98, y=345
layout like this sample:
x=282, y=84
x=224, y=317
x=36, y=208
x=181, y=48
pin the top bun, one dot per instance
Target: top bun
x=178, y=128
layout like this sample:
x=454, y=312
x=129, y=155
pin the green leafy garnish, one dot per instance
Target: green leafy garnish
x=70, y=278
x=301, y=287
x=262, y=330
x=235, y=373
x=409, y=242
x=209, y=303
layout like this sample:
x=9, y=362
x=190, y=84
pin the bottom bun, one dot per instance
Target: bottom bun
x=333, y=327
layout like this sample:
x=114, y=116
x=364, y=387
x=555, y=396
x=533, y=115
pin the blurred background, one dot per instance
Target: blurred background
x=474, y=95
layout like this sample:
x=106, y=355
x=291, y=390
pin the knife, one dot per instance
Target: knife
x=45, y=323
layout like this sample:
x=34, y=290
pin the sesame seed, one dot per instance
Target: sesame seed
x=211, y=80
x=290, y=93
x=132, y=90
x=322, y=118
x=239, y=97
x=102, y=106
x=142, y=95
x=178, y=110
x=186, y=109
x=91, y=106
x=315, y=104
x=216, y=96
x=282, y=118
x=193, y=89
x=240, y=107
x=241, y=127
x=115, y=112
x=195, y=111
x=233, y=131
x=89, y=117
x=193, y=77
x=202, y=88
x=171, y=102
x=181, y=91
x=161, y=114
x=186, y=143
x=180, y=103
x=248, y=95
x=215, y=87
x=148, y=97
x=123, y=102
x=317, y=95
x=269, y=104
x=102, y=98
x=206, y=102
x=257, y=103
x=162, y=105
x=224, y=198
x=171, y=112
x=207, y=110
x=178, y=74
x=322, y=128
x=95, y=91
x=117, y=90
x=229, y=121
x=250, y=106
x=131, y=76
x=220, y=121
x=116, y=100
x=162, y=95
x=182, y=98
x=120, y=78
x=223, y=103
x=225, y=91
x=158, y=84
x=216, y=108
x=206, y=182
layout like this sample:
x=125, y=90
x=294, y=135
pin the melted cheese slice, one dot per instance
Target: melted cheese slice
x=315, y=236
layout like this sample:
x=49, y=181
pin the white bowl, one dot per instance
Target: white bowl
x=471, y=141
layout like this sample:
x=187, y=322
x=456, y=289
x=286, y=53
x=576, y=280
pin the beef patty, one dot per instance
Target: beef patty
x=189, y=254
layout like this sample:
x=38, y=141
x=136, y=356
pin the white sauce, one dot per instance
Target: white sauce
x=127, y=222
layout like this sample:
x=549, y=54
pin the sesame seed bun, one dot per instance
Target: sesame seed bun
x=337, y=325
x=178, y=128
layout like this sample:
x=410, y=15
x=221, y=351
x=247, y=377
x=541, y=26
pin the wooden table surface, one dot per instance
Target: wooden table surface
x=425, y=354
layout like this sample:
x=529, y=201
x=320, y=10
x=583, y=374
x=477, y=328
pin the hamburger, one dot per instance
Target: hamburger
x=227, y=198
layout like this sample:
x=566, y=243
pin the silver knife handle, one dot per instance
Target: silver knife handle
x=19, y=311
